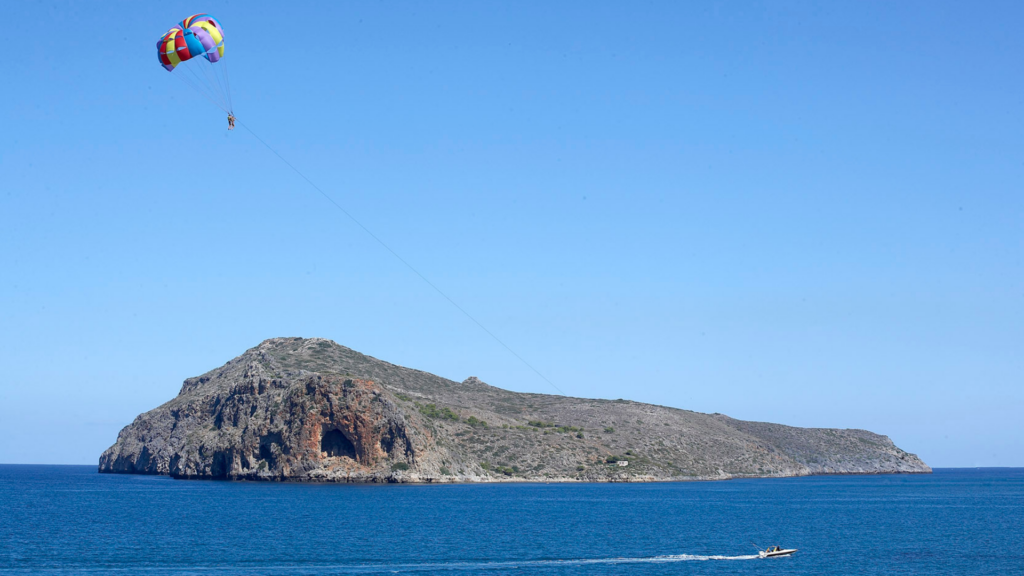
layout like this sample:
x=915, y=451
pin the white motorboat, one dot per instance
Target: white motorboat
x=773, y=551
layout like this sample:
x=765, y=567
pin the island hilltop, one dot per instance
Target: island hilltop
x=312, y=410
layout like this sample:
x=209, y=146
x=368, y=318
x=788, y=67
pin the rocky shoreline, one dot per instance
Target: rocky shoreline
x=437, y=480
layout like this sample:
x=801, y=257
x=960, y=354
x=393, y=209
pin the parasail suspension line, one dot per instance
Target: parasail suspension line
x=400, y=259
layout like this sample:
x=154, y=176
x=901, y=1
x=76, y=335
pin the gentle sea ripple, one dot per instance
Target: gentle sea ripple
x=71, y=520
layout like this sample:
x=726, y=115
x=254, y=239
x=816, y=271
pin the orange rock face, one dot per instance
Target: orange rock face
x=275, y=428
x=350, y=418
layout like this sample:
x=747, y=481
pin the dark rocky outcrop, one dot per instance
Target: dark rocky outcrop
x=309, y=409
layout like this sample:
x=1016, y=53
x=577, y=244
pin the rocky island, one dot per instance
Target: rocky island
x=312, y=410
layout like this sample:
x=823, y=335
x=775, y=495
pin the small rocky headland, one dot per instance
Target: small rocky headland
x=312, y=410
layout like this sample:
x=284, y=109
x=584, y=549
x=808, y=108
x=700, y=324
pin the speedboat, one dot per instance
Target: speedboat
x=773, y=551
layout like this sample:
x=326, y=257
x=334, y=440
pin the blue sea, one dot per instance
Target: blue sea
x=72, y=520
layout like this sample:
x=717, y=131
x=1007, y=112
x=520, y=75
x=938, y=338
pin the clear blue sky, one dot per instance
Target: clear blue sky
x=806, y=213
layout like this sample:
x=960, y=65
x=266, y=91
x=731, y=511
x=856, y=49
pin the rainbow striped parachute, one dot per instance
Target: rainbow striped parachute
x=178, y=51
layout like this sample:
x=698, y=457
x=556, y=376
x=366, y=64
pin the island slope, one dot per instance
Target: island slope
x=312, y=410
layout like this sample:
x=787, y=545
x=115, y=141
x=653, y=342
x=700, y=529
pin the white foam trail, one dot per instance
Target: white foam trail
x=322, y=569
x=643, y=560
x=509, y=564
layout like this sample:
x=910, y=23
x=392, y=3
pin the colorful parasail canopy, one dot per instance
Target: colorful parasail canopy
x=179, y=49
x=197, y=35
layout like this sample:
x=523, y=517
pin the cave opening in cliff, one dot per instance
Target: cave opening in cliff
x=270, y=446
x=334, y=443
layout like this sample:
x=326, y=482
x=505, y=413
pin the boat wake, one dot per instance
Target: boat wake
x=432, y=567
x=506, y=565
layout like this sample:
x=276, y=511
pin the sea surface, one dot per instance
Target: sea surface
x=72, y=520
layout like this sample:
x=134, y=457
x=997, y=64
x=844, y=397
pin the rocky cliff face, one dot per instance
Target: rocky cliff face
x=309, y=409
